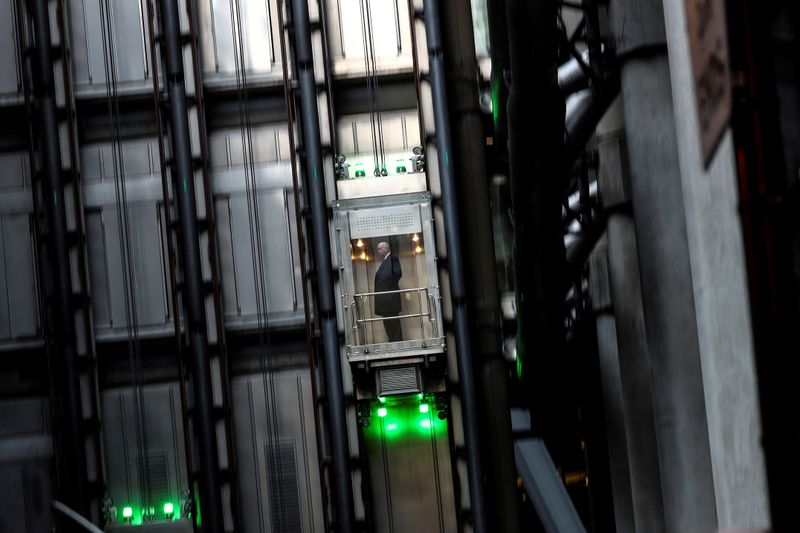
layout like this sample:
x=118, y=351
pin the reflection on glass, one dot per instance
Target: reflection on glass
x=392, y=300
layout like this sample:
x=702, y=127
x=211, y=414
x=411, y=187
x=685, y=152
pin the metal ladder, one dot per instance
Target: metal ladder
x=71, y=204
x=211, y=273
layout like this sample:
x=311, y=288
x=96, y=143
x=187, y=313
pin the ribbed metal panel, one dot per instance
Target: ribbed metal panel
x=153, y=478
x=403, y=380
x=284, y=494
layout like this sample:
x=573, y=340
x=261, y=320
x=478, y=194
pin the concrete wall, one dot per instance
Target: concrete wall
x=721, y=301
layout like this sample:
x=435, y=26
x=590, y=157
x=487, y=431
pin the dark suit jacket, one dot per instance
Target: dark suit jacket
x=387, y=279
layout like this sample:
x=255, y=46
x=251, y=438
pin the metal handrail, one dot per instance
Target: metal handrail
x=358, y=324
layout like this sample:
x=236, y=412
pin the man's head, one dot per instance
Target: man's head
x=383, y=249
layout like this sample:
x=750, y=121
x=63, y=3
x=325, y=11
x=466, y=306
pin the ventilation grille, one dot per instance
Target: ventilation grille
x=153, y=478
x=389, y=220
x=403, y=380
x=284, y=494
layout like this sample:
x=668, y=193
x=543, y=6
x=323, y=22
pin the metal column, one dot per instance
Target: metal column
x=469, y=150
x=183, y=186
x=62, y=257
x=341, y=483
x=455, y=262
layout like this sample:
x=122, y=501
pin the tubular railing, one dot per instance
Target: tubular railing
x=360, y=317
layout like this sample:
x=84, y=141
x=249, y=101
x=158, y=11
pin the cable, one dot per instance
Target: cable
x=369, y=81
x=259, y=270
x=375, y=93
x=123, y=231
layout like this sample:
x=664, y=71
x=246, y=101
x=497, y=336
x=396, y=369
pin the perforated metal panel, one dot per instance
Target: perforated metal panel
x=153, y=476
x=284, y=495
x=403, y=380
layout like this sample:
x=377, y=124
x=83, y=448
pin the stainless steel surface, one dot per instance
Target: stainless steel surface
x=390, y=34
x=150, y=461
x=278, y=468
x=129, y=47
x=26, y=451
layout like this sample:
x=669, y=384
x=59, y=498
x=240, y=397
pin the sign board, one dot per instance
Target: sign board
x=708, y=48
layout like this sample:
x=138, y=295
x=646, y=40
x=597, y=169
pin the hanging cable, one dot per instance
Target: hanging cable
x=369, y=82
x=259, y=270
x=375, y=92
x=123, y=231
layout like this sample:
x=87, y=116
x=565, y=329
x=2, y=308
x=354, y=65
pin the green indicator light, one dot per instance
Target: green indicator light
x=55, y=198
x=425, y=423
x=381, y=399
x=423, y=408
x=391, y=427
x=446, y=158
x=382, y=412
x=168, y=508
x=419, y=396
x=127, y=512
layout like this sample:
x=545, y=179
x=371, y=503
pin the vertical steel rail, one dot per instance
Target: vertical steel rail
x=341, y=486
x=195, y=317
x=455, y=262
x=312, y=351
x=172, y=260
x=72, y=466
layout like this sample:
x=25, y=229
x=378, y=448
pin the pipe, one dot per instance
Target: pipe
x=572, y=75
x=455, y=261
x=68, y=415
x=584, y=110
x=468, y=142
x=341, y=483
x=195, y=319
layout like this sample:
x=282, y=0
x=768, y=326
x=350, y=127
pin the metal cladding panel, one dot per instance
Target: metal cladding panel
x=108, y=270
x=277, y=452
x=388, y=20
x=144, y=445
x=221, y=21
x=19, y=310
x=129, y=48
x=239, y=238
x=135, y=166
x=250, y=225
x=10, y=77
x=19, y=273
x=25, y=466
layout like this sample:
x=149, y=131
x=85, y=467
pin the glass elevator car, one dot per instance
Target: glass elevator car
x=404, y=223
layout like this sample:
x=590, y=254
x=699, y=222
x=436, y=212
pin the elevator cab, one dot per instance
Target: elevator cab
x=394, y=337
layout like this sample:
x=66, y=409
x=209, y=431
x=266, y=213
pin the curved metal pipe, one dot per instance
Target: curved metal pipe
x=572, y=76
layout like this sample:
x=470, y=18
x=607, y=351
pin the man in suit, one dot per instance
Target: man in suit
x=387, y=278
